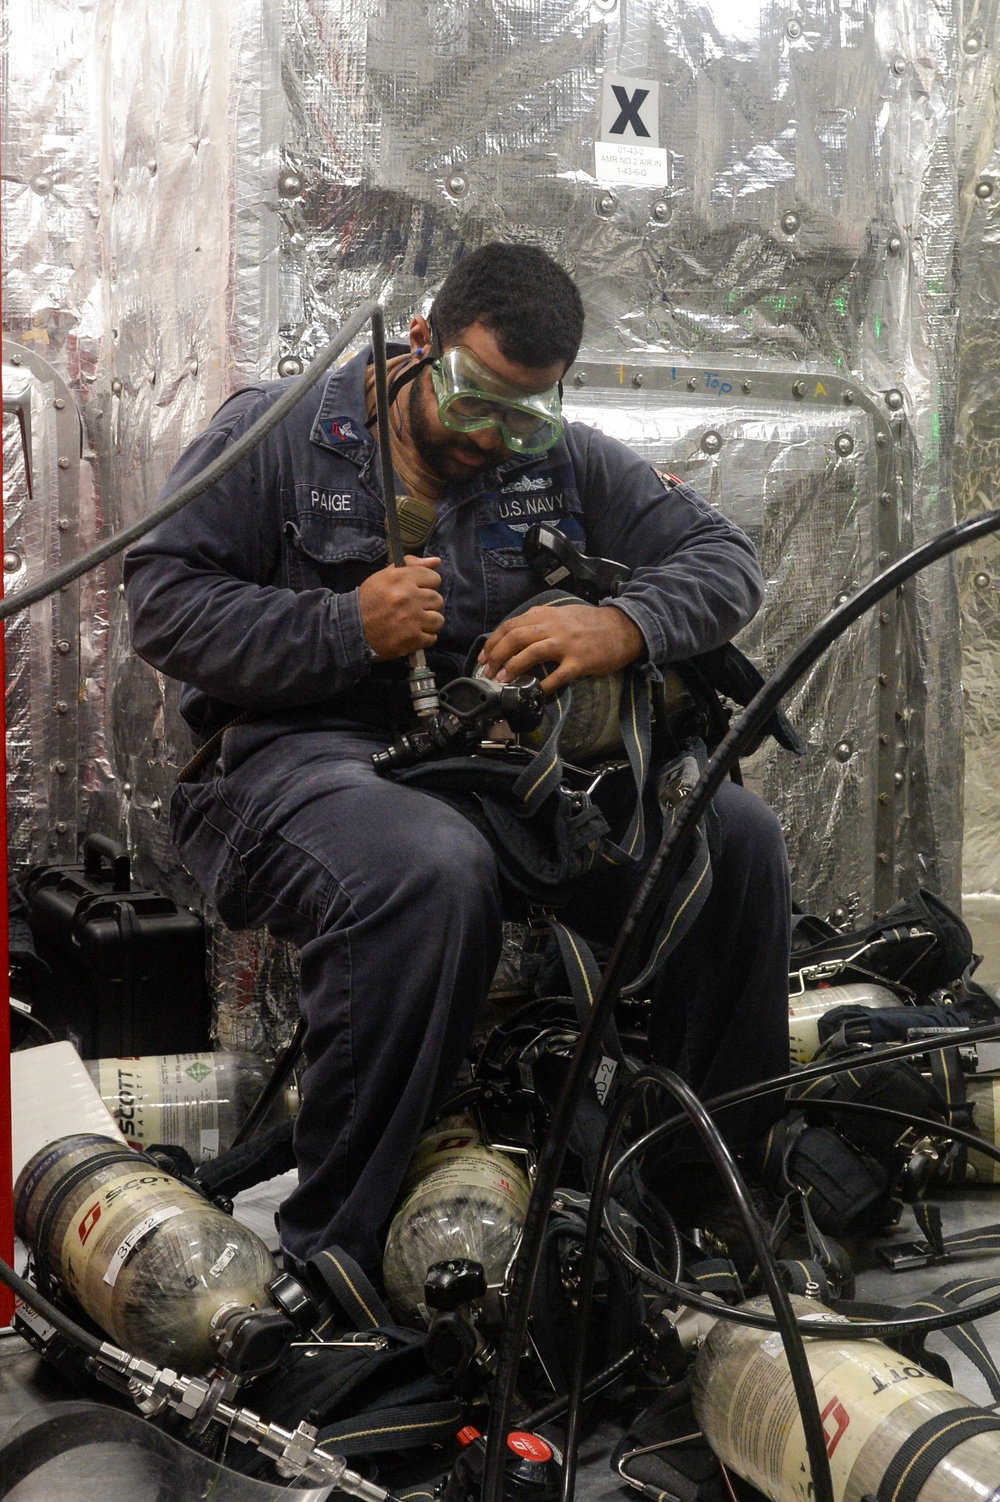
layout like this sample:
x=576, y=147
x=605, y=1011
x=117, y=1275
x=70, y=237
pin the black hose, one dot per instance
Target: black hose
x=28, y=1294
x=956, y=1038
x=556, y=1407
x=625, y=956
x=857, y=1329
x=204, y=480
x=784, y=1315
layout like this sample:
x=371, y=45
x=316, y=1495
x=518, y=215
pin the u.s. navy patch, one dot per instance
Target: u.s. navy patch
x=340, y=429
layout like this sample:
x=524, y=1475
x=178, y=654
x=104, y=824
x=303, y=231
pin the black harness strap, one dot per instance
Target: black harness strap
x=351, y=1290
x=926, y=1447
x=394, y=1428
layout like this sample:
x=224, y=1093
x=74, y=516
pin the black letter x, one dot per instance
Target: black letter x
x=629, y=111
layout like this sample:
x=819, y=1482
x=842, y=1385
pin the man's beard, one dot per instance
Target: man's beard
x=439, y=454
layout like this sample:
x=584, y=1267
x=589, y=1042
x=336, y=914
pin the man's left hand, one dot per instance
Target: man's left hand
x=584, y=641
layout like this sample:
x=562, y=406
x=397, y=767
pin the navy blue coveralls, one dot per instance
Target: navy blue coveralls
x=249, y=597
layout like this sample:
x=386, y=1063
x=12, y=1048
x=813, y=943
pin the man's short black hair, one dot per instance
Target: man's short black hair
x=521, y=295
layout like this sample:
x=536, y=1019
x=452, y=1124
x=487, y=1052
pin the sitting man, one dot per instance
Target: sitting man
x=270, y=599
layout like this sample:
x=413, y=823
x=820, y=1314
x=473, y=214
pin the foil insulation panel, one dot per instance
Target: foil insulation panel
x=978, y=434
x=198, y=195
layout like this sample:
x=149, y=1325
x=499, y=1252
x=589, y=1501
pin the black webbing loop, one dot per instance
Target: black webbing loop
x=927, y=1446
x=351, y=1290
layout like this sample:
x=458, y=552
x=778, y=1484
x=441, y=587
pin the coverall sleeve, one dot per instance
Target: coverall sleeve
x=695, y=576
x=206, y=601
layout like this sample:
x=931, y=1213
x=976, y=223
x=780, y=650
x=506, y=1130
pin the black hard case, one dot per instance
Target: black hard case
x=127, y=964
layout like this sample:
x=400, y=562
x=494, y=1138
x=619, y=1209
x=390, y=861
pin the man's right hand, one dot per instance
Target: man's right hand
x=401, y=607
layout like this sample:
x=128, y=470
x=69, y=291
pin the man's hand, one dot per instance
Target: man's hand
x=584, y=641
x=401, y=607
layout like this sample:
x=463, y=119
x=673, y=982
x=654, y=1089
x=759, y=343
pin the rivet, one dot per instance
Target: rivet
x=799, y=389
x=63, y=524
x=151, y=167
x=289, y=365
x=885, y=499
x=898, y=779
x=881, y=439
x=883, y=557
x=11, y=563
x=59, y=404
x=637, y=379
x=580, y=379
x=973, y=43
x=746, y=387
x=42, y=182
x=898, y=66
x=844, y=444
x=883, y=798
x=839, y=915
x=842, y=599
x=605, y=204
x=894, y=399
x=849, y=398
x=982, y=581
x=63, y=462
x=843, y=751
x=290, y=184
x=61, y=826
x=121, y=591
x=661, y=210
x=793, y=29
x=883, y=618
x=894, y=245
x=605, y=5
x=192, y=367
x=156, y=808
x=457, y=185
x=789, y=223
x=883, y=739
x=62, y=647
x=901, y=716
x=15, y=359
x=151, y=377
x=692, y=384
x=883, y=859
x=984, y=188
x=98, y=412
x=883, y=679
x=61, y=768
x=117, y=386
x=62, y=707
x=711, y=441
x=127, y=789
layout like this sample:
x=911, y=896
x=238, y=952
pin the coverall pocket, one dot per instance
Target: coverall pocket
x=331, y=551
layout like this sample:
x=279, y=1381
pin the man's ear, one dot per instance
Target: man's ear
x=420, y=335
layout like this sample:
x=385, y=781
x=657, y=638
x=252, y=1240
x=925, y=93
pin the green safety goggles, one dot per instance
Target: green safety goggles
x=470, y=397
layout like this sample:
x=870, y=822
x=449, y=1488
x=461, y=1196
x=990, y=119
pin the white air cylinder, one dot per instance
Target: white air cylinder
x=152, y=1262
x=870, y=1399
x=983, y=1091
x=460, y=1198
x=805, y=1010
x=197, y=1101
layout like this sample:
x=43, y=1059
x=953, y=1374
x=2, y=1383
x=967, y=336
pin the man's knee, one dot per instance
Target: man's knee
x=750, y=831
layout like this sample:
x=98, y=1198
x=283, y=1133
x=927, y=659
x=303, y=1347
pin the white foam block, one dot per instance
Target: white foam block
x=53, y=1096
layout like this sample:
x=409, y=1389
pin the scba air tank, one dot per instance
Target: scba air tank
x=167, y=1275
x=892, y=1430
x=195, y=1100
x=805, y=1010
x=983, y=1091
x=461, y=1198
